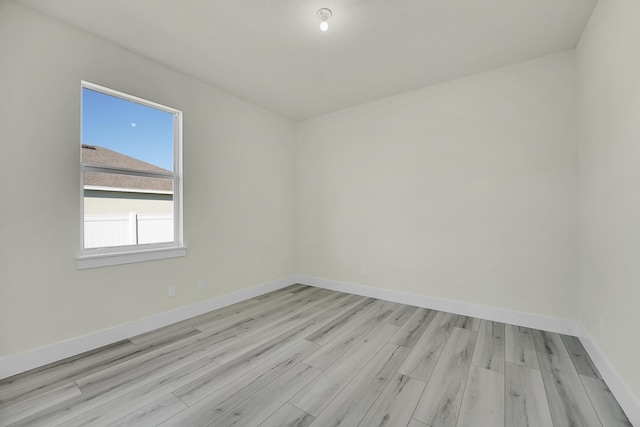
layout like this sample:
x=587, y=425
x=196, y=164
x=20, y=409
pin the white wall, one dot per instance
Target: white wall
x=608, y=63
x=465, y=191
x=238, y=188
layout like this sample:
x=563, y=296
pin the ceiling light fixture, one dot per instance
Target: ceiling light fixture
x=324, y=15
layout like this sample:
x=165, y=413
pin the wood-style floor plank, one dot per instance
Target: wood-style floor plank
x=466, y=322
x=166, y=335
x=241, y=308
x=40, y=380
x=288, y=416
x=310, y=313
x=260, y=405
x=254, y=317
x=330, y=330
x=549, y=343
x=519, y=347
x=211, y=402
x=265, y=308
x=489, y=350
x=334, y=299
x=340, y=344
x=581, y=360
x=413, y=329
x=400, y=315
x=395, y=404
x=304, y=356
x=526, y=400
x=153, y=414
x=440, y=403
x=232, y=370
x=606, y=406
x=483, y=400
x=103, y=408
x=141, y=397
x=388, y=305
x=11, y=412
x=292, y=289
x=263, y=335
x=424, y=356
x=319, y=393
x=568, y=401
x=301, y=302
x=153, y=365
x=352, y=403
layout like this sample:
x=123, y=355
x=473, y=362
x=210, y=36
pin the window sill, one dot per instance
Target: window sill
x=104, y=260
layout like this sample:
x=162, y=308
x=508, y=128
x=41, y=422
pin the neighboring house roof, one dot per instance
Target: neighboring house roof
x=93, y=155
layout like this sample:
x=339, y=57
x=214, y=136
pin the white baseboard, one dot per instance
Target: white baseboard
x=623, y=395
x=18, y=363
x=552, y=324
x=15, y=364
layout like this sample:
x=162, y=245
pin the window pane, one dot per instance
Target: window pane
x=130, y=150
x=126, y=134
x=124, y=210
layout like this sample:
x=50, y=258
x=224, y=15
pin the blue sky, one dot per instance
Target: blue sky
x=128, y=128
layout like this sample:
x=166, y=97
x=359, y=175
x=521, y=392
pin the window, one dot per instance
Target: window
x=130, y=179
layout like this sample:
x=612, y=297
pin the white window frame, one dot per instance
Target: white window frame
x=101, y=257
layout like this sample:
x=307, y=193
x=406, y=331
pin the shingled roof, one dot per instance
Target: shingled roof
x=93, y=155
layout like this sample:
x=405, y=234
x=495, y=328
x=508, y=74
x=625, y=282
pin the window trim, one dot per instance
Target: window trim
x=114, y=255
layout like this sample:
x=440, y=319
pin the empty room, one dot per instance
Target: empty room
x=414, y=213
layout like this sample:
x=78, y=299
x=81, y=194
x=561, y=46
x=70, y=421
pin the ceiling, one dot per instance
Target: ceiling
x=272, y=52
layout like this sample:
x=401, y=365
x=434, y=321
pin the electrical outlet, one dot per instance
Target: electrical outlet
x=201, y=284
x=172, y=290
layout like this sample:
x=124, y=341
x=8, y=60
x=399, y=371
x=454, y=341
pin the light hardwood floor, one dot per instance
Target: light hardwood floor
x=304, y=356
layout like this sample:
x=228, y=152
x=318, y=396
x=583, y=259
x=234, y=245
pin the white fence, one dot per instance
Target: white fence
x=102, y=231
